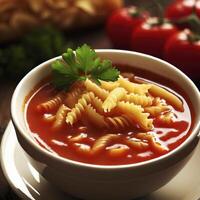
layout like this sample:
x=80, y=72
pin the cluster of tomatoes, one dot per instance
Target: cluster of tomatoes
x=170, y=37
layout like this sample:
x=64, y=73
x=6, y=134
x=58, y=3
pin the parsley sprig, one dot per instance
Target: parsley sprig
x=80, y=65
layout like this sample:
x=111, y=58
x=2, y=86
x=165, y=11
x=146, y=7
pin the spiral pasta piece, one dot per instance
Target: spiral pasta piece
x=51, y=104
x=101, y=143
x=78, y=138
x=136, y=114
x=168, y=96
x=156, y=101
x=74, y=115
x=136, y=88
x=156, y=110
x=137, y=144
x=139, y=99
x=117, y=122
x=94, y=117
x=94, y=101
x=109, y=85
x=144, y=136
x=83, y=149
x=60, y=116
x=100, y=92
x=114, y=96
x=118, y=150
x=72, y=97
x=166, y=118
x=97, y=104
x=156, y=146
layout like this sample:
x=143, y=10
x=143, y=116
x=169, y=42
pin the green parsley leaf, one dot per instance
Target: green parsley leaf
x=86, y=58
x=63, y=76
x=105, y=72
x=70, y=59
x=82, y=65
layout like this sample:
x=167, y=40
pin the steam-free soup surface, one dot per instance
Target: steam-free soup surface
x=75, y=141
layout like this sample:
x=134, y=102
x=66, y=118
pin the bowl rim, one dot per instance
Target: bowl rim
x=57, y=158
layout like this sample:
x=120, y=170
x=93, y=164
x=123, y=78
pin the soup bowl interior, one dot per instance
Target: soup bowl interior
x=94, y=181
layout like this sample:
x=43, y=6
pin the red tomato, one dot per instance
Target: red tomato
x=197, y=9
x=121, y=24
x=150, y=37
x=183, y=53
x=179, y=9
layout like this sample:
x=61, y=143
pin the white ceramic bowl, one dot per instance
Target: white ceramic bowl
x=107, y=182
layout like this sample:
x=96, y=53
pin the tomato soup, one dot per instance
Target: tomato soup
x=119, y=125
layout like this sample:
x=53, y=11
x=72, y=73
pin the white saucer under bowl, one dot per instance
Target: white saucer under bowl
x=28, y=184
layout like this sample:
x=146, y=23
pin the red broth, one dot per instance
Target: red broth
x=57, y=141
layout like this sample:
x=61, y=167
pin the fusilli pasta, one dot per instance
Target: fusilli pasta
x=117, y=122
x=168, y=96
x=137, y=144
x=136, y=88
x=118, y=150
x=109, y=85
x=156, y=146
x=82, y=149
x=78, y=138
x=156, y=101
x=60, y=116
x=156, y=110
x=72, y=97
x=51, y=104
x=144, y=136
x=114, y=96
x=75, y=114
x=136, y=114
x=101, y=93
x=101, y=143
x=94, y=117
x=166, y=118
x=98, y=104
x=139, y=99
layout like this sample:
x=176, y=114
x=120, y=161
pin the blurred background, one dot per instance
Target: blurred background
x=32, y=31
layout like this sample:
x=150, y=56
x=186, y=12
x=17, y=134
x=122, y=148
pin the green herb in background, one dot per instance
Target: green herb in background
x=37, y=46
x=80, y=66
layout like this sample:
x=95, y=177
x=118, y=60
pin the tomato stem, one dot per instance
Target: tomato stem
x=194, y=24
x=135, y=12
x=160, y=10
x=192, y=37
